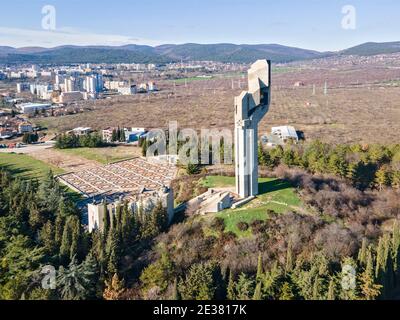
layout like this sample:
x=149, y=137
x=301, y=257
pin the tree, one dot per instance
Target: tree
x=259, y=268
x=362, y=254
x=382, y=178
x=75, y=282
x=369, y=289
x=286, y=292
x=158, y=274
x=257, y=292
x=231, y=288
x=331, y=290
x=114, y=288
x=113, y=252
x=198, y=283
x=192, y=169
x=175, y=292
x=244, y=287
x=289, y=258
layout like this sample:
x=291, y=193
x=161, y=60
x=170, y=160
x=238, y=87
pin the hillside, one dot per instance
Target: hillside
x=160, y=54
x=373, y=48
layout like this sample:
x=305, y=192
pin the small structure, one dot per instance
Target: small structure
x=25, y=127
x=212, y=201
x=81, y=131
x=285, y=133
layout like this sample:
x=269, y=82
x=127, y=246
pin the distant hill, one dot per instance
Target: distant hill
x=223, y=52
x=160, y=54
x=373, y=48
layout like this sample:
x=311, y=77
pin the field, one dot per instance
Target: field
x=275, y=195
x=360, y=105
x=24, y=166
x=104, y=155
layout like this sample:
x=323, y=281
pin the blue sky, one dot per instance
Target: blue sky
x=311, y=24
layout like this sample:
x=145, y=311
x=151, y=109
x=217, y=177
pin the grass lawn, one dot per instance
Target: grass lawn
x=24, y=166
x=275, y=194
x=104, y=155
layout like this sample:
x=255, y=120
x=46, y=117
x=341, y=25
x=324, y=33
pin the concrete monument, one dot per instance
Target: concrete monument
x=250, y=107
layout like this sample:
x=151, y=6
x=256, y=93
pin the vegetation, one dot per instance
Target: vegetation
x=68, y=141
x=24, y=166
x=30, y=138
x=40, y=226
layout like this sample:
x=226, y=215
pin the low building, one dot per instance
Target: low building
x=285, y=133
x=108, y=134
x=25, y=127
x=134, y=134
x=31, y=108
x=145, y=201
x=139, y=182
x=6, y=133
x=81, y=131
x=69, y=97
x=127, y=90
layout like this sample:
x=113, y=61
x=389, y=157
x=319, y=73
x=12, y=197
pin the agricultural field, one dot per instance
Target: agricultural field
x=25, y=166
x=275, y=195
x=359, y=105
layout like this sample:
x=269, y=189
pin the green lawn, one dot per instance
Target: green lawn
x=275, y=194
x=101, y=155
x=24, y=166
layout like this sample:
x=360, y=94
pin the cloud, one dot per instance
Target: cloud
x=17, y=37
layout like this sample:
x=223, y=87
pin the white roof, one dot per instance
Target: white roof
x=285, y=132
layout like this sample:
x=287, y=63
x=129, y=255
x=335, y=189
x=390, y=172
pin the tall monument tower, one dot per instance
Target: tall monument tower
x=250, y=107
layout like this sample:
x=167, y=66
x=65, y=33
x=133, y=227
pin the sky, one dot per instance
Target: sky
x=309, y=24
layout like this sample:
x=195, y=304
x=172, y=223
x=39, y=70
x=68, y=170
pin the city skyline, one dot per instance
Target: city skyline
x=317, y=26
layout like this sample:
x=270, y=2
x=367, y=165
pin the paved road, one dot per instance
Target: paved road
x=29, y=149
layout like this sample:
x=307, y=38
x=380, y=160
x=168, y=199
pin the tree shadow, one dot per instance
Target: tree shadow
x=272, y=186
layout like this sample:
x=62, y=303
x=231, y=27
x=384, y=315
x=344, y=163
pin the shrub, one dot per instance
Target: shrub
x=243, y=226
x=218, y=224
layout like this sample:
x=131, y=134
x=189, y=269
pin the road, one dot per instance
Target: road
x=29, y=149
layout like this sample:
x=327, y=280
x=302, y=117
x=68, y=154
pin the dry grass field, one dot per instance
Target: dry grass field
x=362, y=104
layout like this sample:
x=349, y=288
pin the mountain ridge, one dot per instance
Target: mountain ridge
x=221, y=52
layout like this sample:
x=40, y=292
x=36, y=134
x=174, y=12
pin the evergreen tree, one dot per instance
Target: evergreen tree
x=331, y=290
x=369, y=289
x=289, y=258
x=115, y=288
x=245, y=287
x=231, y=288
x=362, y=254
x=175, y=291
x=260, y=270
x=198, y=283
x=257, y=292
x=286, y=292
x=75, y=282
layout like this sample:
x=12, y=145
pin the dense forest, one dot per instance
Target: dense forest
x=347, y=248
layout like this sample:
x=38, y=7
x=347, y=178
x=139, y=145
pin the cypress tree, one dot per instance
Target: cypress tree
x=259, y=268
x=106, y=219
x=289, y=258
x=257, y=292
x=175, y=291
x=231, y=292
x=331, y=290
x=362, y=254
